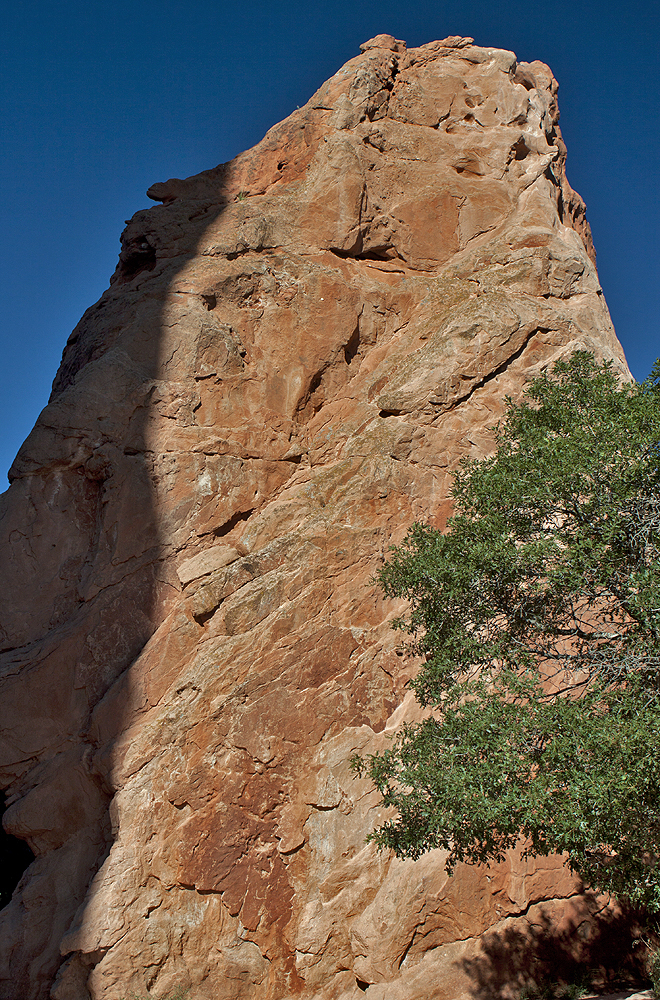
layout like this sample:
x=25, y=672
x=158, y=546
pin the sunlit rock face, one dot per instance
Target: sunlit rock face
x=294, y=353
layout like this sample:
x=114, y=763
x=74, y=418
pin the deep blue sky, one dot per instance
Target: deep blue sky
x=100, y=99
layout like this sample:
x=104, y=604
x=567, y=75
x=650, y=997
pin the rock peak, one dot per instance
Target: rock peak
x=296, y=350
x=384, y=42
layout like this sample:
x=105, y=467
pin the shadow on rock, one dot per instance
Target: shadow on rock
x=593, y=946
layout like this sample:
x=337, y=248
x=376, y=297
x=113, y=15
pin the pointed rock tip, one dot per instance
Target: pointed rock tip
x=384, y=42
x=456, y=41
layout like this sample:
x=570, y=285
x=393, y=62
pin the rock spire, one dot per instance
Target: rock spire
x=294, y=353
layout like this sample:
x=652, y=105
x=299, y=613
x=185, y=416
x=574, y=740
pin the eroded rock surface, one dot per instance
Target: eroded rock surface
x=295, y=351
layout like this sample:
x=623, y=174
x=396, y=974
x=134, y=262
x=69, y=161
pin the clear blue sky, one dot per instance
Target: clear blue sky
x=100, y=99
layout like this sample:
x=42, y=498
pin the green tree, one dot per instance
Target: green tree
x=537, y=617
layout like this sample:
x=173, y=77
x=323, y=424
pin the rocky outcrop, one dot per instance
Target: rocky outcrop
x=296, y=349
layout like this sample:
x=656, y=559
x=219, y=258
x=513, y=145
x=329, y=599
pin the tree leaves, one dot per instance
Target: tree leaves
x=537, y=616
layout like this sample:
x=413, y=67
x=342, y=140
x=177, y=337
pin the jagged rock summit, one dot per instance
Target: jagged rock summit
x=296, y=349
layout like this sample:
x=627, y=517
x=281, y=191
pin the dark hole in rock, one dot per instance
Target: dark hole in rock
x=520, y=149
x=361, y=985
x=15, y=857
x=308, y=401
x=560, y=206
x=385, y=254
x=227, y=526
x=202, y=619
x=137, y=255
x=524, y=77
x=381, y=254
x=353, y=346
x=315, y=382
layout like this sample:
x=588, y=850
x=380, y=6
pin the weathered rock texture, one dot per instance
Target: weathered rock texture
x=296, y=349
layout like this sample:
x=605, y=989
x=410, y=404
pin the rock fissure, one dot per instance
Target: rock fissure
x=500, y=370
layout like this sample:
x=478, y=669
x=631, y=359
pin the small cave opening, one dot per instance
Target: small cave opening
x=136, y=255
x=227, y=526
x=362, y=985
x=525, y=77
x=15, y=857
x=382, y=254
x=520, y=149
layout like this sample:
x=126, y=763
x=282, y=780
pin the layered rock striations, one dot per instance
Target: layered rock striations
x=296, y=349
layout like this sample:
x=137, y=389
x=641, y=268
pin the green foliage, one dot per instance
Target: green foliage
x=654, y=972
x=556, y=991
x=574, y=991
x=537, y=616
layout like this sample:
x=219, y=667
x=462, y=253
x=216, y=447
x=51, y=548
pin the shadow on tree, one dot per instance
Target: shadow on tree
x=594, y=947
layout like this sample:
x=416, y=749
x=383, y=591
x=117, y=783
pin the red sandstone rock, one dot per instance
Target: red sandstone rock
x=295, y=351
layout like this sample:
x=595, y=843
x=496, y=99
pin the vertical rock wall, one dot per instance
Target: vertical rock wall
x=295, y=351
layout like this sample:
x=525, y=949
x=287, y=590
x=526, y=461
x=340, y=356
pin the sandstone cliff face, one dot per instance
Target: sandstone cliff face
x=295, y=351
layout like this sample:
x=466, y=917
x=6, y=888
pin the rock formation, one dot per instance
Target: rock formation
x=296, y=349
